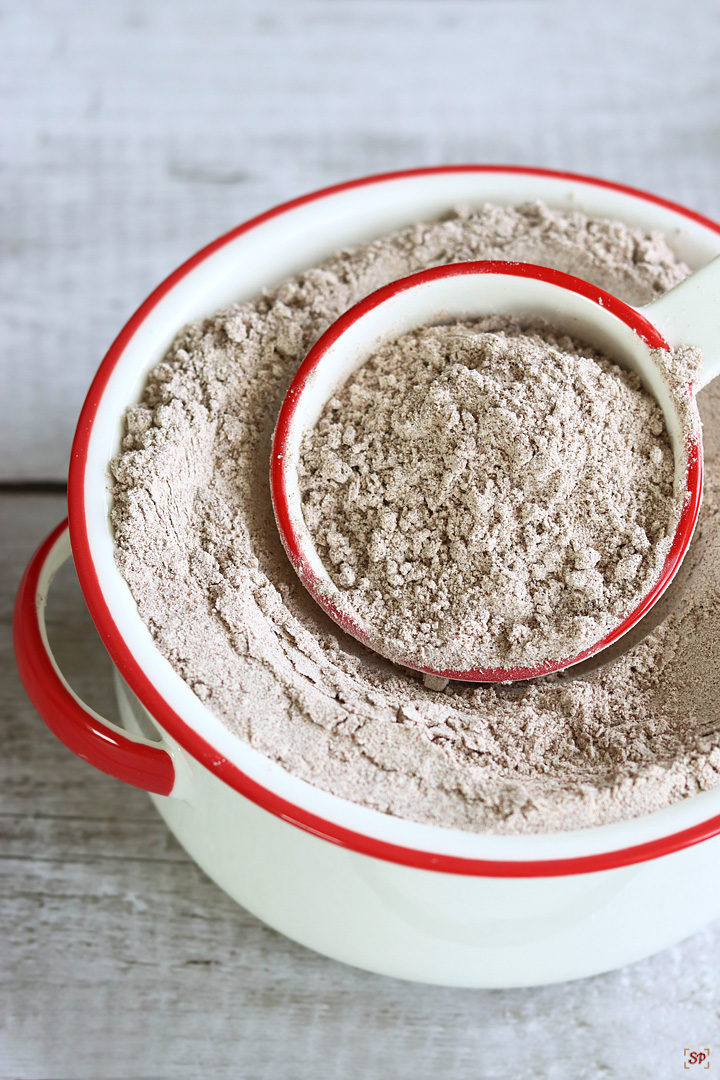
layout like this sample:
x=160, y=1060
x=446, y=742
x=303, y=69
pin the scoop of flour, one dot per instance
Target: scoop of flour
x=490, y=494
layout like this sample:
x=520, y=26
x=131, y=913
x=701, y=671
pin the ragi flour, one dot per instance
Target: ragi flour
x=198, y=545
x=489, y=494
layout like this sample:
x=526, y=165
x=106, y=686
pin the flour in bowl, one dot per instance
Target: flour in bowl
x=198, y=544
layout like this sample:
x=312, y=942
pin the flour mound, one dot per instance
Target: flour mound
x=488, y=495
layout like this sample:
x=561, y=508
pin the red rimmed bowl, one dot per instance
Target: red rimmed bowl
x=393, y=896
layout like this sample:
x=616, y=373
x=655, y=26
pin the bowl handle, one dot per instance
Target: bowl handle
x=127, y=757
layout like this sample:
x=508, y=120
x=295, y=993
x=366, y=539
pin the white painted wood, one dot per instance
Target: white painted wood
x=120, y=960
x=131, y=134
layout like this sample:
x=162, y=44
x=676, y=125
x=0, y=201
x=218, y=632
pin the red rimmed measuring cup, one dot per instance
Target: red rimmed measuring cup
x=687, y=314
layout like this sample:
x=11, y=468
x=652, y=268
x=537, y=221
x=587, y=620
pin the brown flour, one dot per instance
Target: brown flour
x=198, y=544
x=490, y=495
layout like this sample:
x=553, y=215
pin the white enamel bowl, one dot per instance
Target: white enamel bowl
x=414, y=901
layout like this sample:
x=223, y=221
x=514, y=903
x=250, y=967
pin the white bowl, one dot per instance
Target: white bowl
x=392, y=896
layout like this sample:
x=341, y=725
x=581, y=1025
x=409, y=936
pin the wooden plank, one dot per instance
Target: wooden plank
x=85, y=839
x=133, y=134
x=121, y=960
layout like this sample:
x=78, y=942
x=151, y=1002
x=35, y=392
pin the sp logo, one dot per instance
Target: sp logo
x=700, y=1058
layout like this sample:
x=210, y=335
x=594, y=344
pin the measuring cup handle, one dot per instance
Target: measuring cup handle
x=689, y=314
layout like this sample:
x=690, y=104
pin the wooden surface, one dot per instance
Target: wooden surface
x=133, y=133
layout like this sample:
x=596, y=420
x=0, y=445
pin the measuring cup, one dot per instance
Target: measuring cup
x=688, y=314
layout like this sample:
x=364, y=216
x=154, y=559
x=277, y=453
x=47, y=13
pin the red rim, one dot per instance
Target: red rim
x=198, y=747
x=280, y=472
